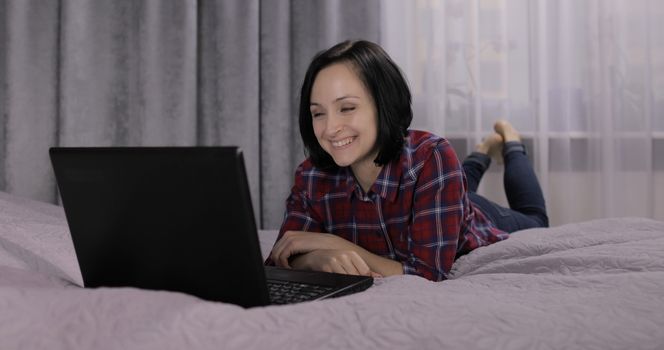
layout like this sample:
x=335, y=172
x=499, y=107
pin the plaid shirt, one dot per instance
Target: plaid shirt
x=417, y=212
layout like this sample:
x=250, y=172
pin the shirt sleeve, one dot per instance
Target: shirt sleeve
x=298, y=216
x=440, y=204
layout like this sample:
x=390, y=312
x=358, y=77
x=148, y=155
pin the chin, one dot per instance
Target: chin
x=342, y=163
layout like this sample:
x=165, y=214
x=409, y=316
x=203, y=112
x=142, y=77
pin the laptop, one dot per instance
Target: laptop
x=177, y=219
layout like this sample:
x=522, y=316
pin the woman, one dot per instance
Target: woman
x=374, y=198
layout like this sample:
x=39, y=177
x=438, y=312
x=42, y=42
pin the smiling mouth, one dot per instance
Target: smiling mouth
x=342, y=143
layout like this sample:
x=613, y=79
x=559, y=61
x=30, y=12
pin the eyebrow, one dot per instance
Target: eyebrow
x=336, y=100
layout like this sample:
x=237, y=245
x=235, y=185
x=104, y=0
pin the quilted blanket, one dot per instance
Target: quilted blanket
x=591, y=285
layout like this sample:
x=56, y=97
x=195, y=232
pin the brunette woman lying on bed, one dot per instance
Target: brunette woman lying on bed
x=375, y=198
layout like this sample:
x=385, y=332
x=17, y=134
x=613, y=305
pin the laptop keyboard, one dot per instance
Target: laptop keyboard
x=283, y=292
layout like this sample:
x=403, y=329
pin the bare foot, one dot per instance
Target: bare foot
x=507, y=131
x=491, y=145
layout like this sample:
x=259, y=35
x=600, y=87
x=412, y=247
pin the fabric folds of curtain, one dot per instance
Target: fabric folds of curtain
x=291, y=33
x=163, y=73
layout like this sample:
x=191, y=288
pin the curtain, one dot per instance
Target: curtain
x=163, y=73
x=583, y=80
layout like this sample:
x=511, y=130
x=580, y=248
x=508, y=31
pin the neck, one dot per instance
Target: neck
x=366, y=173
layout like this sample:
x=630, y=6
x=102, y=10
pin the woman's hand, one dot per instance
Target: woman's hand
x=333, y=260
x=296, y=245
x=298, y=242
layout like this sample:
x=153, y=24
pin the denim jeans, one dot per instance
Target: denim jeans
x=523, y=192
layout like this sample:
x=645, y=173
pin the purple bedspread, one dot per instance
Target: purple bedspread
x=592, y=285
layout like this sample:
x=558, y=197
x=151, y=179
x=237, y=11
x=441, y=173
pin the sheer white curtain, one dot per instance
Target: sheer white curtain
x=583, y=80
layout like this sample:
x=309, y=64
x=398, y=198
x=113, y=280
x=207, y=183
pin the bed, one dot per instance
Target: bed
x=591, y=285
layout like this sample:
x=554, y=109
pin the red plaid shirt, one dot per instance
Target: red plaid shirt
x=417, y=212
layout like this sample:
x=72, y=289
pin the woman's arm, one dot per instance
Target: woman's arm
x=322, y=251
x=299, y=216
x=440, y=211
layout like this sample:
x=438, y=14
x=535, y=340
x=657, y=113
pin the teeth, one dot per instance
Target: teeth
x=342, y=142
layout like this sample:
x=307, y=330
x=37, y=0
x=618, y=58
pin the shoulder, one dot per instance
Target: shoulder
x=426, y=150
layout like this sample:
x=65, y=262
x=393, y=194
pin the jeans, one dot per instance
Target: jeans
x=523, y=192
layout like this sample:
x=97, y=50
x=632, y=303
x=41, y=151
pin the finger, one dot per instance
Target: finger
x=280, y=262
x=275, y=255
x=276, y=250
x=283, y=258
x=336, y=266
x=339, y=269
x=289, y=249
x=360, y=265
x=297, y=243
x=289, y=244
x=279, y=244
x=282, y=250
x=376, y=275
x=278, y=257
x=348, y=264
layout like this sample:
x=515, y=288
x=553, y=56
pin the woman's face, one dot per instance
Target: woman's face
x=344, y=116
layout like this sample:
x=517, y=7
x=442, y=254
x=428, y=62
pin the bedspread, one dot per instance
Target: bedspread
x=591, y=285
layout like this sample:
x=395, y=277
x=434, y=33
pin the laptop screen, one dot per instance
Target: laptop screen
x=166, y=218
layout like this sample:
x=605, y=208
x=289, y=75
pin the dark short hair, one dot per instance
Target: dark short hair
x=387, y=86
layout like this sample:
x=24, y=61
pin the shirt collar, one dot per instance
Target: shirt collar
x=386, y=184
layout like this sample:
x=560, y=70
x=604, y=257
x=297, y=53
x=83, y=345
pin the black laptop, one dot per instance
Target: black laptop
x=177, y=219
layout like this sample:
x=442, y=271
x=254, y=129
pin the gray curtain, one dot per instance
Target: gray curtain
x=161, y=73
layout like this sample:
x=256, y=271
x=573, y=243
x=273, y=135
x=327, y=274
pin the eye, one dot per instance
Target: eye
x=347, y=109
x=317, y=114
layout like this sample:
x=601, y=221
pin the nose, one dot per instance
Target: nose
x=334, y=125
